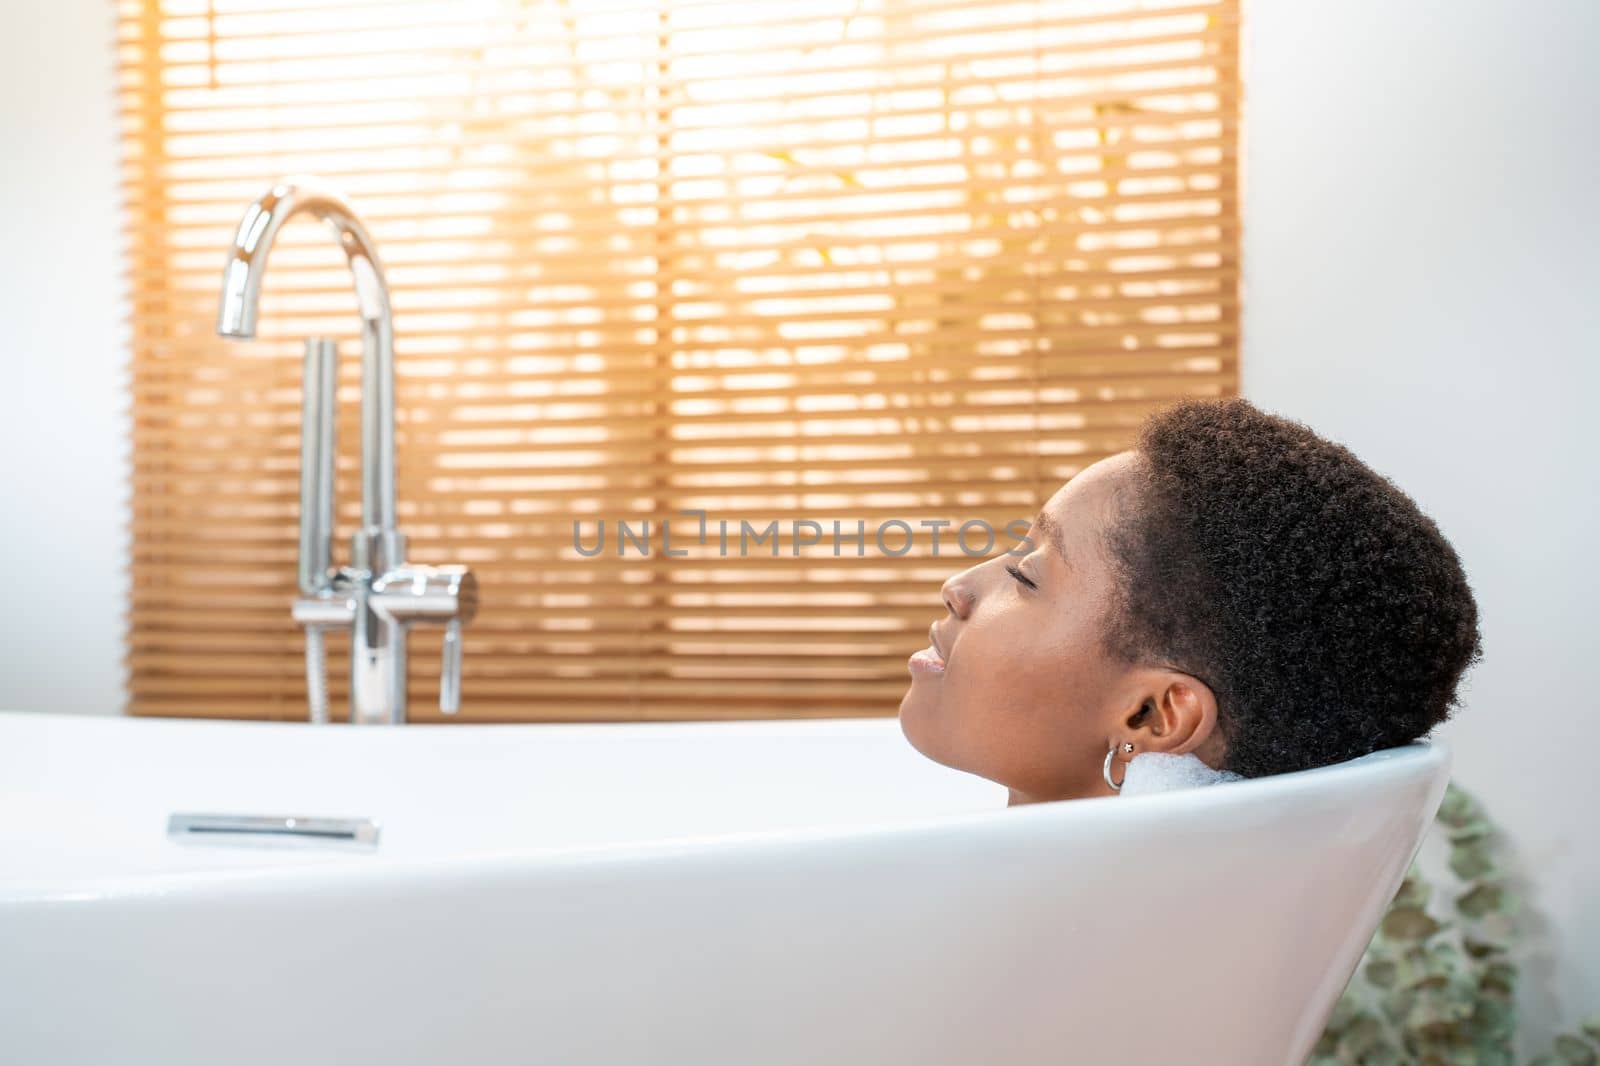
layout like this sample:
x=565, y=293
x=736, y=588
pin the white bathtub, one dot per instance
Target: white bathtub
x=741, y=893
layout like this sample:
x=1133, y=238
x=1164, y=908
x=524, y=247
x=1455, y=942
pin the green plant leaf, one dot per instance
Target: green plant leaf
x=1364, y=1033
x=1344, y=1013
x=1498, y=978
x=1457, y=808
x=1442, y=959
x=1382, y=1055
x=1494, y=1021
x=1472, y=829
x=1414, y=892
x=1575, y=1051
x=1482, y=949
x=1471, y=861
x=1395, y=1005
x=1482, y=899
x=1409, y=923
x=1438, y=1009
x=1439, y=1049
x=1381, y=972
x=1493, y=1056
x=1495, y=929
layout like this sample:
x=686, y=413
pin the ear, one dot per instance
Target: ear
x=1178, y=714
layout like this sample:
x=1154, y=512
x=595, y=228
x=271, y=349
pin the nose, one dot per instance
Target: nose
x=958, y=593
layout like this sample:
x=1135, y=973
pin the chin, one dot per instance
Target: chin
x=909, y=713
x=914, y=724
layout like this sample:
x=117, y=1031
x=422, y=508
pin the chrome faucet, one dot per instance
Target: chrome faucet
x=379, y=595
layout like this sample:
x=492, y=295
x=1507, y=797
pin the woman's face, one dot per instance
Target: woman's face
x=1016, y=686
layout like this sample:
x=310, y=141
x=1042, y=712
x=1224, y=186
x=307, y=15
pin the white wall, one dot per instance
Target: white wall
x=63, y=436
x=1421, y=249
x=1422, y=267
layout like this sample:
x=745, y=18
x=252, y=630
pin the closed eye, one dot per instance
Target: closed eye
x=1021, y=577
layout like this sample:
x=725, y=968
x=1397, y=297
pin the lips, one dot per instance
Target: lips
x=930, y=660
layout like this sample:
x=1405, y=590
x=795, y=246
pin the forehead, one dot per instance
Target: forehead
x=1082, y=508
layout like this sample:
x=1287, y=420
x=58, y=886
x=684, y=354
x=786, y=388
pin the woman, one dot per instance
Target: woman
x=1234, y=588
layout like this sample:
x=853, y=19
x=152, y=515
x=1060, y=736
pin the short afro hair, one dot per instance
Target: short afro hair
x=1326, y=612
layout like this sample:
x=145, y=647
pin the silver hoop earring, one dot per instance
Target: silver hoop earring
x=1105, y=771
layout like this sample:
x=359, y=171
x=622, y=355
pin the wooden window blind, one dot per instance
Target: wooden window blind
x=851, y=260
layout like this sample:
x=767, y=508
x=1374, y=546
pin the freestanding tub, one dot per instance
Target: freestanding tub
x=741, y=893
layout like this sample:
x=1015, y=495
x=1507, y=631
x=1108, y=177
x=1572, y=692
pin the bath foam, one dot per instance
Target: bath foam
x=1160, y=771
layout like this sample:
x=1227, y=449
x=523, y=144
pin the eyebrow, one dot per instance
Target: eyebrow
x=1053, y=532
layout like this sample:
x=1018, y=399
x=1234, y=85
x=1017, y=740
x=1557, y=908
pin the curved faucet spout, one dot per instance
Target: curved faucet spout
x=236, y=317
x=380, y=594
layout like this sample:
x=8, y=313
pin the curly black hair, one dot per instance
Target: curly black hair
x=1326, y=612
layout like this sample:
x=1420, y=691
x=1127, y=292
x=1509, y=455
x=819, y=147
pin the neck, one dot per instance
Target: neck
x=1018, y=797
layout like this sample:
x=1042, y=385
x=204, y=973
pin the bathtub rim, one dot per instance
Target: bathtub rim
x=1425, y=760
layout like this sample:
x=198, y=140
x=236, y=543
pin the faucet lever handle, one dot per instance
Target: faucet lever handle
x=446, y=595
x=450, y=668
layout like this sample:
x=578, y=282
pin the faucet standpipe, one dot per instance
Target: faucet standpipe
x=379, y=595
